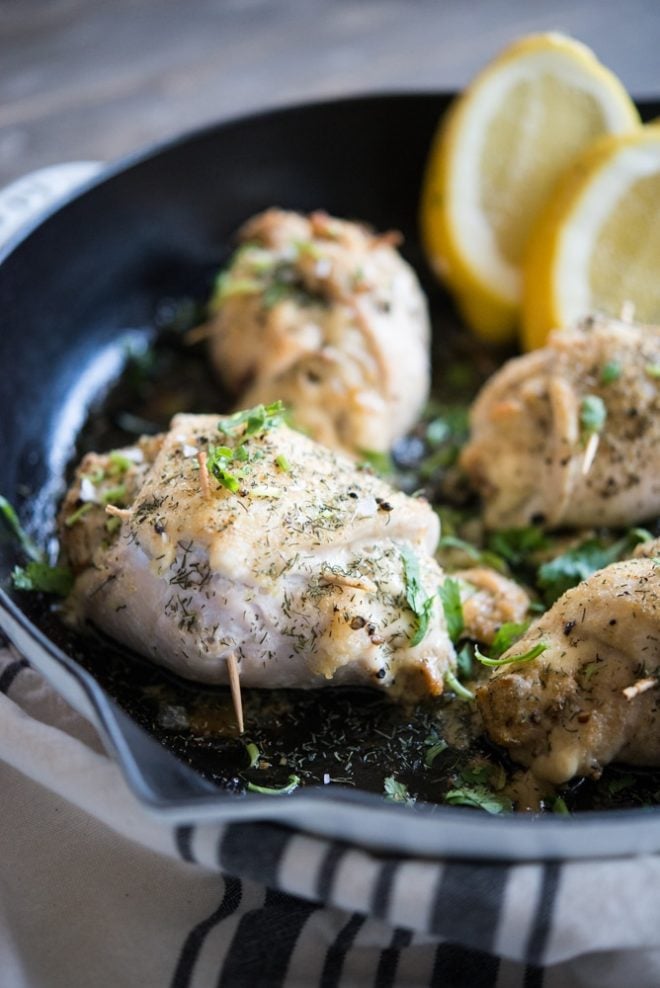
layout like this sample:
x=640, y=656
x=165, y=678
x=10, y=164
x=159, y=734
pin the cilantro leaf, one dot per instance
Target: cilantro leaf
x=418, y=602
x=593, y=414
x=531, y=653
x=13, y=524
x=397, y=792
x=480, y=797
x=516, y=544
x=457, y=687
x=450, y=595
x=435, y=749
x=568, y=569
x=610, y=372
x=507, y=634
x=293, y=783
x=40, y=576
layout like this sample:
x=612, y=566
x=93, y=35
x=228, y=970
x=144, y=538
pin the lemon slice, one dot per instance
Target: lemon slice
x=495, y=160
x=596, y=247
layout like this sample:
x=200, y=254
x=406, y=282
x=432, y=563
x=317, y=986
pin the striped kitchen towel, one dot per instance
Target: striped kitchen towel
x=96, y=893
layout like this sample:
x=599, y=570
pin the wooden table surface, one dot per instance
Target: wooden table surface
x=94, y=79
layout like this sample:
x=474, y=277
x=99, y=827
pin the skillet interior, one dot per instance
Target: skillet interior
x=100, y=266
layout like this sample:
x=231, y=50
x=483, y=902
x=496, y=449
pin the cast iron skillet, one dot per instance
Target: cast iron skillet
x=155, y=226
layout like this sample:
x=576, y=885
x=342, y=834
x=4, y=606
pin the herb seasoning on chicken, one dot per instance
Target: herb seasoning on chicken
x=242, y=538
x=590, y=695
x=570, y=435
x=328, y=317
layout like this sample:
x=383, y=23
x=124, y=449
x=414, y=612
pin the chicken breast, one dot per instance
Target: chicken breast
x=328, y=317
x=591, y=696
x=569, y=435
x=244, y=538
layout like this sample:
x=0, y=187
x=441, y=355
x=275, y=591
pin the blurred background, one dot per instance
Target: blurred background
x=95, y=79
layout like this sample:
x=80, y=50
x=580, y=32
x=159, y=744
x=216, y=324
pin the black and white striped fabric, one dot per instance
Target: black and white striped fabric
x=94, y=892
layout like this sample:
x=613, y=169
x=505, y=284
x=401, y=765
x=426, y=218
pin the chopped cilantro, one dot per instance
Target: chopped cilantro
x=293, y=783
x=253, y=754
x=120, y=464
x=465, y=661
x=531, y=653
x=462, y=692
x=397, y=792
x=480, y=797
x=114, y=495
x=13, y=524
x=380, y=463
x=610, y=372
x=256, y=420
x=435, y=749
x=450, y=595
x=40, y=576
x=516, y=544
x=418, y=602
x=228, y=285
x=593, y=414
x=282, y=463
x=568, y=569
x=78, y=514
x=507, y=634
x=559, y=807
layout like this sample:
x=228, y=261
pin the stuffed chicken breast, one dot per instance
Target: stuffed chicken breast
x=328, y=317
x=590, y=696
x=242, y=538
x=569, y=435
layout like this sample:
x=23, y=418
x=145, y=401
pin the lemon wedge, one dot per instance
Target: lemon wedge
x=495, y=160
x=596, y=247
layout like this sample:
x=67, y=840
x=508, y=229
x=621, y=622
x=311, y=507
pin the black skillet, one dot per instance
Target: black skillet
x=158, y=225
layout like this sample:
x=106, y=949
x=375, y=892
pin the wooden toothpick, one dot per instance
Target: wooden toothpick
x=590, y=453
x=112, y=509
x=641, y=686
x=235, y=685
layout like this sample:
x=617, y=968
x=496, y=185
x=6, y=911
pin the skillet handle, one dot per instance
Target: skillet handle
x=28, y=197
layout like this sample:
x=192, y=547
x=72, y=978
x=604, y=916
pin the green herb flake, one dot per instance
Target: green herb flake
x=480, y=797
x=418, y=602
x=559, y=807
x=120, y=463
x=653, y=370
x=571, y=567
x=506, y=636
x=397, y=792
x=10, y=519
x=450, y=596
x=531, y=653
x=78, y=514
x=293, y=783
x=228, y=285
x=256, y=420
x=437, y=747
x=380, y=463
x=620, y=783
x=40, y=576
x=282, y=463
x=610, y=372
x=593, y=414
x=253, y=754
x=515, y=545
x=114, y=495
x=452, y=683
